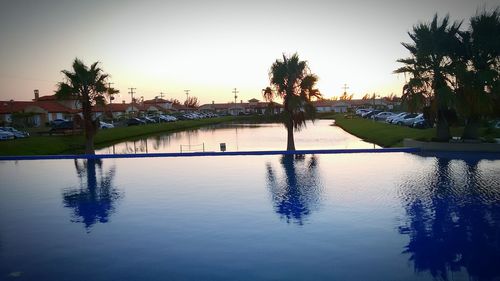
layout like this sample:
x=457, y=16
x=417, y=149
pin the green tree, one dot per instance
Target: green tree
x=88, y=85
x=477, y=71
x=430, y=63
x=191, y=102
x=295, y=84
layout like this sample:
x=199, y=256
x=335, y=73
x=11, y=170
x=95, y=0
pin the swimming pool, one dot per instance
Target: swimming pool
x=391, y=216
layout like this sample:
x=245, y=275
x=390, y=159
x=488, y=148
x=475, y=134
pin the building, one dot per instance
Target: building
x=253, y=106
x=39, y=111
x=331, y=106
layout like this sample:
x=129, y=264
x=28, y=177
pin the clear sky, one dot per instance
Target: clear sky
x=211, y=47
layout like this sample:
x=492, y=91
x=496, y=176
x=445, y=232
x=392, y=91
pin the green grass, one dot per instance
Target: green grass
x=387, y=135
x=52, y=145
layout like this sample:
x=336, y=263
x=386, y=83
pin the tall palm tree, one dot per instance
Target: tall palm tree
x=416, y=91
x=88, y=85
x=293, y=82
x=478, y=70
x=433, y=45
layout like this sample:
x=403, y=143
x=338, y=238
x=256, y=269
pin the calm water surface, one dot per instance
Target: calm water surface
x=393, y=216
x=242, y=137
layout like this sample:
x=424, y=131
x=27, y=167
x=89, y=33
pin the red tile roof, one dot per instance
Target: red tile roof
x=7, y=107
x=47, y=105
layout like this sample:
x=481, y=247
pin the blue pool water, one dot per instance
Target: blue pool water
x=391, y=216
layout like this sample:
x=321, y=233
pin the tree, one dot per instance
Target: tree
x=88, y=85
x=174, y=101
x=477, y=70
x=191, y=102
x=96, y=198
x=366, y=97
x=295, y=84
x=433, y=45
x=346, y=96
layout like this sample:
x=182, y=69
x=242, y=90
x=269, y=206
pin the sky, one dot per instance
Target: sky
x=211, y=47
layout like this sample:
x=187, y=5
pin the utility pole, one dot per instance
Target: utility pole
x=161, y=95
x=345, y=89
x=235, y=96
x=110, y=92
x=131, y=92
x=187, y=93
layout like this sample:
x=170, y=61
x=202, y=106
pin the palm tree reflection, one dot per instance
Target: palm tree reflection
x=453, y=221
x=95, y=199
x=299, y=192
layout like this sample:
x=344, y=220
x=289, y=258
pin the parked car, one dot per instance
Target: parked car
x=17, y=133
x=147, y=119
x=166, y=118
x=422, y=124
x=410, y=120
x=397, y=119
x=104, y=125
x=371, y=113
x=360, y=111
x=57, y=122
x=135, y=122
x=404, y=120
x=395, y=116
x=382, y=116
x=66, y=125
x=6, y=135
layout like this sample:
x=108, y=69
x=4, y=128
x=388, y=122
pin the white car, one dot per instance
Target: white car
x=401, y=120
x=104, y=125
x=361, y=111
x=17, y=134
x=6, y=135
x=395, y=116
x=397, y=120
x=409, y=121
x=167, y=118
x=382, y=116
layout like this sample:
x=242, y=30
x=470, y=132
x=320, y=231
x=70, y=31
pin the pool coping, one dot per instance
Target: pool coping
x=199, y=154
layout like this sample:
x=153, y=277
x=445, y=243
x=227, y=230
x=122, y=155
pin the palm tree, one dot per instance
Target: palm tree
x=293, y=82
x=88, y=85
x=433, y=45
x=477, y=70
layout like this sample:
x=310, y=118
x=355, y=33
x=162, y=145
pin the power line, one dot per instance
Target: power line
x=131, y=93
x=235, y=96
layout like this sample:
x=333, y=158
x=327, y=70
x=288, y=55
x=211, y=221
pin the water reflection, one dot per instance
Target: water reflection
x=298, y=190
x=96, y=198
x=453, y=219
x=241, y=137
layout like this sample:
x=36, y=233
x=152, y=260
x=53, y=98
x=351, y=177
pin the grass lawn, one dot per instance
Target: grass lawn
x=388, y=135
x=51, y=145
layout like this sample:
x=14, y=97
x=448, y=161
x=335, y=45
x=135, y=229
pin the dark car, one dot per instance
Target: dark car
x=57, y=122
x=371, y=113
x=64, y=125
x=135, y=122
x=422, y=124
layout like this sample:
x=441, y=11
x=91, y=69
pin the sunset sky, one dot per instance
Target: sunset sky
x=211, y=47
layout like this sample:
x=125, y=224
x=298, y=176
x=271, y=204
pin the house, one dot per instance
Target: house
x=331, y=106
x=158, y=105
x=117, y=110
x=253, y=106
x=39, y=111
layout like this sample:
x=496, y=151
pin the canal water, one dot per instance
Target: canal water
x=242, y=137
